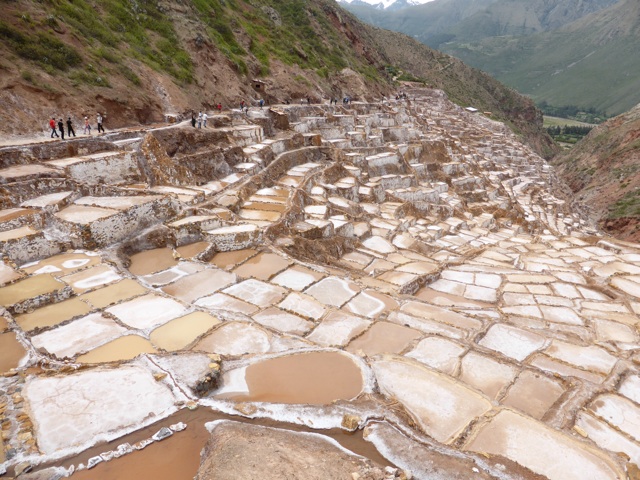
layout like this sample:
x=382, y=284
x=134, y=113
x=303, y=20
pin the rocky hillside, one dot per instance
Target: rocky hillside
x=139, y=61
x=603, y=170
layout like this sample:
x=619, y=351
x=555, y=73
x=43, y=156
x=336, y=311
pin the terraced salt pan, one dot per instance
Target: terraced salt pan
x=370, y=304
x=152, y=261
x=172, y=274
x=512, y=342
x=337, y=329
x=439, y=354
x=283, y=321
x=88, y=279
x=84, y=215
x=607, y=437
x=333, y=291
x=78, y=336
x=147, y=311
x=486, y=374
x=618, y=412
x=296, y=278
x=589, y=358
x=226, y=260
x=64, y=263
x=542, y=449
x=226, y=302
x=12, y=352
x=263, y=266
x=114, y=293
x=384, y=337
x=312, y=378
x=256, y=292
x=235, y=338
x=533, y=393
x=54, y=314
x=179, y=333
x=30, y=287
x=120, y=349
x=19, y=232
x=200, y=284
x=117, y=203
x=441, y=406
x=303, y=305
x=81, y=409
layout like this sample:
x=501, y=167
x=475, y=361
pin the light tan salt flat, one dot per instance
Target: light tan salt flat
x=541, y=449
x=30, y=287
x=123, y=348
x=114, y=293
x=53, y=314
x=441, y=406
x=180, y=332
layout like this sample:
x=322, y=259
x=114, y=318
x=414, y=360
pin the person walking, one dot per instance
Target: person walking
x=99, y=121
x=261, y=102
x=193, y=119
x=204, y=119
x=199, y=119
x=87, y=126
x=52, y=125
x=61, y=128
x=219, y=107
x=70, y=129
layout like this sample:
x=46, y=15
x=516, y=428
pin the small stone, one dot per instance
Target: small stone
x=246, y=408
x=633, y=472
x=390, y=470
x=350, y=422
x=161, y=434
x=192, y=405
x=355, y=475
x=142, y=444
x=93, y=461
x=159, y=376
x=22, y=467
x=178, y=427
x=215, y=357
x=407, y=475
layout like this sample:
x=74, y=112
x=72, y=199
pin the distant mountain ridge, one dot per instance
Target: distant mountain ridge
x=565, y=52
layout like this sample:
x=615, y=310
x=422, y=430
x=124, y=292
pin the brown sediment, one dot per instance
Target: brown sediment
x=192, y=249
x=315, y=378
x=384, y=337
x=123, y=348
x=263, y=266
x=152, y=261
x=11, y=352
x=178, y=457
x=230, y=259
x=51, y=315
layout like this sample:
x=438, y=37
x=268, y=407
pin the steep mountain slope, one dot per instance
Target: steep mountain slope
x=139, y=61
x=591, y=62
x=604, y=172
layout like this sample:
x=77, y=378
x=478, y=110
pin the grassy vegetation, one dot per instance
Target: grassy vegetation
x=627, y=206
x=550, y=121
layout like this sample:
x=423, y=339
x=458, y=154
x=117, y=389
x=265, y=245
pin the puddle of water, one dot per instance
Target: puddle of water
x=11, y=351
x=178, y=457
x=384, y=337
x=315, y=378
x=152, y=261
x=193, y=249
x=51, y=315
x=63, y=263
x=123, y=290
x=263, y=266
x=179, y=333
x=123, y=348
x=230, y=259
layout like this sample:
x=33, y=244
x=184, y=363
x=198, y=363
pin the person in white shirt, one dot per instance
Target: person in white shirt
x=204, y=119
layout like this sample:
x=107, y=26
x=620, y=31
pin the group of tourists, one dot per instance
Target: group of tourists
x=58, y=126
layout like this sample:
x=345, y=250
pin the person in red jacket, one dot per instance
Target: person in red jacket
x=52, y=125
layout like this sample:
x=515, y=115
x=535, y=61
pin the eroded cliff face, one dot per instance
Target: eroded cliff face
x=602, y=171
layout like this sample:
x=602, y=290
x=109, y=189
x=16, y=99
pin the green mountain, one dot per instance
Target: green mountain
x=141, y=60
x=565, y=52
x=591, y=62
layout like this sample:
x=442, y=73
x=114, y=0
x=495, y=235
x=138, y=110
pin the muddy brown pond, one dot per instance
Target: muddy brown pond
x=178, y=457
